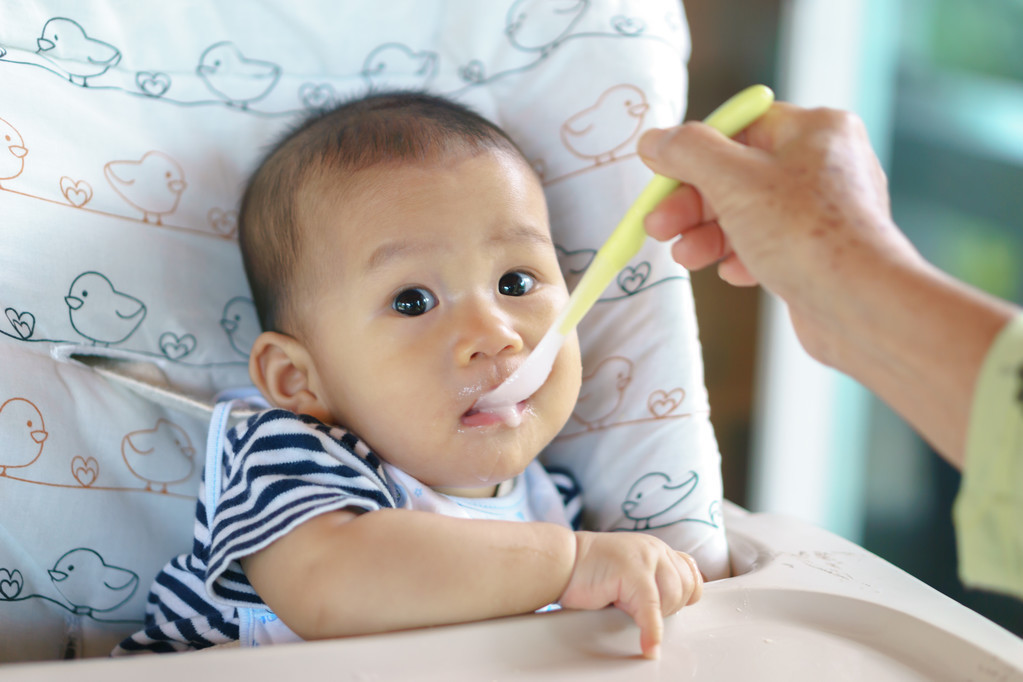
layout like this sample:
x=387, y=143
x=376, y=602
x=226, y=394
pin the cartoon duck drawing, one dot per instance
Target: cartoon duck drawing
x=394, y=60
x=602, y=391
x=235, y=78
x=153, y=184
x=540, y=25
x=22, y=433
x=101, y=313
x=12, y=152
x=91, y=585
x=241, y=324
x=574, y=263
x=65, y=43
x=653, y=495
x=160, y=456
x=613, y=122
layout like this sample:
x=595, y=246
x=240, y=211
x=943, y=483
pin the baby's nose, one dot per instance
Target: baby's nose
x=487, y=333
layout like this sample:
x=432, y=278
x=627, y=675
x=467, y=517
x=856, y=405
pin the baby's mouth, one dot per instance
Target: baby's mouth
x=509, y=415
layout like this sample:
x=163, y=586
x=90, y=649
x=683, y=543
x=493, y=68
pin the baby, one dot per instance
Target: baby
x=400, y=257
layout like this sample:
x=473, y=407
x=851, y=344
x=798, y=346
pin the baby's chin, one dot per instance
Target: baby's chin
x=482, y=473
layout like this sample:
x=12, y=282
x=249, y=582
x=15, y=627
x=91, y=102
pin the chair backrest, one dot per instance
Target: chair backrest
x=126, y=133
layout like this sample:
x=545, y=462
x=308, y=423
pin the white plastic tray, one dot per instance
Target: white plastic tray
x=807, y=605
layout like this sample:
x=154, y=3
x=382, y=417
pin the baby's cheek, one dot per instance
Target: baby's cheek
x=573, y=365
x=565, y=383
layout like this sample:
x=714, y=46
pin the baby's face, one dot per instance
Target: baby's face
x=436, y=281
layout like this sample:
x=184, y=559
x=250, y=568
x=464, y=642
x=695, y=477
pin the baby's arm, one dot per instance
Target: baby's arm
x=341, y=574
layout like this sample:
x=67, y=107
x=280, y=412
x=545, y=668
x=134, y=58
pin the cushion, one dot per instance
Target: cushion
x=128, y=131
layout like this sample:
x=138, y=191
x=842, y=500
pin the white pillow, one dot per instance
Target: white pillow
x=127, y=133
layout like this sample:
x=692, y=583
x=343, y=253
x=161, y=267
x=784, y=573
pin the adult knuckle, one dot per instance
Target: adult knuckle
x=840, y=120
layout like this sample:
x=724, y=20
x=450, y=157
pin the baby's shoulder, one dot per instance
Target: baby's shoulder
x=277, y=429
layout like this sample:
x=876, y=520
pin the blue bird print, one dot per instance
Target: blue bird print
x=653, y=495
x=234, y=77
x=101, y=313
x=91, y=585
x=541, y=25
x=241, y=323
x=65, y=44
x=394, y=60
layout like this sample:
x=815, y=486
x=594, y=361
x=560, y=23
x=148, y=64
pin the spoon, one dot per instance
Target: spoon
x=730, y=119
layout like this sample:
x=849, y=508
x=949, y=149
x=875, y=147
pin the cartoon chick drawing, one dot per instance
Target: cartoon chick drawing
x=65, y=43
x=160, y=456
x=396, y=60
x=653, y=495
x=241, y=323
x=540, y=25
x=153, y=184
x=101, y=313
x=604, y=129
x=235, y=78
x=12, y=152
x=89, y=584
x=603, y=391
x=22, y=433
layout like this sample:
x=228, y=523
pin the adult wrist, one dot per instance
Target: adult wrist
x=854, y=286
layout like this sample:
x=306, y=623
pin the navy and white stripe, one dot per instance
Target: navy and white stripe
x=278, y=470
x=570, y=493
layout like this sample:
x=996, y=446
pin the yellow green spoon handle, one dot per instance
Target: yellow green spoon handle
x=624, y=243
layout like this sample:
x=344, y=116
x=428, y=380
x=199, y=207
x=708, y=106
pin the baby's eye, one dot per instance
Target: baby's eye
x=413, y=302
x=515, y=284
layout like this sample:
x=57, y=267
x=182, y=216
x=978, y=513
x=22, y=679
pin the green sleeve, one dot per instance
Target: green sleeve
x=988, y=512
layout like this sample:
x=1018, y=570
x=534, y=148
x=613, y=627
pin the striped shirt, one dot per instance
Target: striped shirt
x=276, y=471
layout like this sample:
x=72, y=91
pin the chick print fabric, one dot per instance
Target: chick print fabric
x=127, y=131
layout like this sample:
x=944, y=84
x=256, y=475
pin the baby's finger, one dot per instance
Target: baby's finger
x=693, y=579
x=676, y=582
x=652, y=634
x=645, y=610
x=672, y=577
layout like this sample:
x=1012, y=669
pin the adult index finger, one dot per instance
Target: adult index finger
x=696, y=154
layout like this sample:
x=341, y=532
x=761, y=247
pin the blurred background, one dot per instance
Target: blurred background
x=939, y=84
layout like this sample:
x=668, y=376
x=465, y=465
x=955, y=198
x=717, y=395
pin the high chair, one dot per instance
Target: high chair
x=130, y=129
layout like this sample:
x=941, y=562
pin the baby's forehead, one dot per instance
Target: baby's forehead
x=334, y=188
x=340, y=202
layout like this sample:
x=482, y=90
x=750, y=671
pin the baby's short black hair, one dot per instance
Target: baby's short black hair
x=374, y=129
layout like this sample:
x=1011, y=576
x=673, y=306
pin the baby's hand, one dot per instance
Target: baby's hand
x=636, y=572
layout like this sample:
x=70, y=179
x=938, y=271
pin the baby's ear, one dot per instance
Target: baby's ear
x=282, y=370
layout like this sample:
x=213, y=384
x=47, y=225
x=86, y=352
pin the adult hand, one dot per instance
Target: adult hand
x=797, y=183
x=798, y=203
x=636, y=572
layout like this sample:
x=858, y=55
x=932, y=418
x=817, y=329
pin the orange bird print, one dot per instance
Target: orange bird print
x=602, y=130
x=22, y=434
x=153, y=184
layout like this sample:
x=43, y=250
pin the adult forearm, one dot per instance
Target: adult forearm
x=396, y=569
x=914, y=336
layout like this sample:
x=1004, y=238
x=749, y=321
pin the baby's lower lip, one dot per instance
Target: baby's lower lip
x=477, y=418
